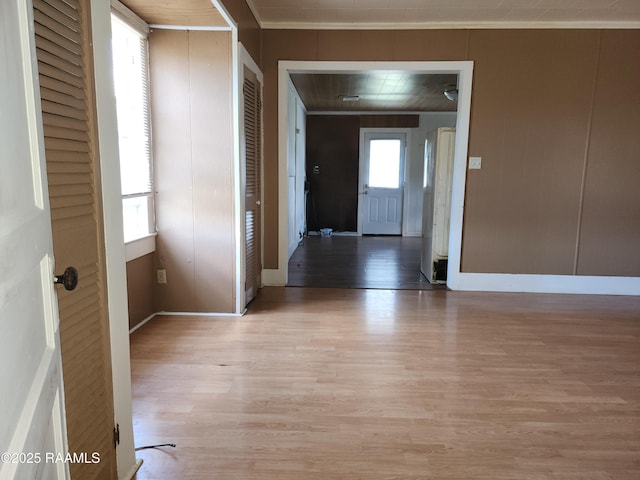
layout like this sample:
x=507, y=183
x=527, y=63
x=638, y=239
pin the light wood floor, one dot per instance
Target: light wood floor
x=379, y=385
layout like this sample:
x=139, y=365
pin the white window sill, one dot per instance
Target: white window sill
x=140, y=247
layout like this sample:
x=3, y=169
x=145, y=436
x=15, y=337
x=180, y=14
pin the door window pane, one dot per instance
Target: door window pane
x=384, y=163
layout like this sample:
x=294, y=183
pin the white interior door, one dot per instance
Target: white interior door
x=382, y=183
x=32, y=425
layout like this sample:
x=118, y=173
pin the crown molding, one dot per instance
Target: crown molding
x=128, y=16
x=625, y=25
x=595, y=24
x=190, y=27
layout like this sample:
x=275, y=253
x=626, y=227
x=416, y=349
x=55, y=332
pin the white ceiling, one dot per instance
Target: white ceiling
x=446, y=13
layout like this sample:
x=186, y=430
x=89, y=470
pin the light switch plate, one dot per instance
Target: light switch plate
x=475, y=163
x=161, y=275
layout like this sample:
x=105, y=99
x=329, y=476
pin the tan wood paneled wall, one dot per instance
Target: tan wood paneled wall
x=610, y=223
x=333, y=143
x=66, y=79
x=531, y=109
x=191, y=82
x=557, y=193
x=141, y=279
x=248, y=29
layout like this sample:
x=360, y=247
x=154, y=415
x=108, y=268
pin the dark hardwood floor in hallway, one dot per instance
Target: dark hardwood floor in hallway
x=355, y=384
x=381, y=262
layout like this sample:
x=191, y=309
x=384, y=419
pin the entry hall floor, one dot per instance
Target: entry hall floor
x=385, y=262
x=378, y=385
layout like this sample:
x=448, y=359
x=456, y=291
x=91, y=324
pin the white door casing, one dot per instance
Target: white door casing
x=279, y=274
x=32, y=426
x=380, y=206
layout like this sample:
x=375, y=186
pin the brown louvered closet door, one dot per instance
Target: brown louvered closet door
x=253, y=153
x=65, y=68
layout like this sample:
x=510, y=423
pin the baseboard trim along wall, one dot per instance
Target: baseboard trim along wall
x=273, y=277
x=202, y=314
x=527, y=283
x=571, y=284
x=129, y=475
x=185, y=314
x=133, y=329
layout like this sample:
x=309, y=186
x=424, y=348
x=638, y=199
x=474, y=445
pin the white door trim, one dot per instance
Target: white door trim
x=238, y=56
x=361, y=170
x=115, y=250
x=245, y=60
x=465, y=71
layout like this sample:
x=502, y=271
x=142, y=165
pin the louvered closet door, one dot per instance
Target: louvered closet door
x=65, y=71
x=253, y=154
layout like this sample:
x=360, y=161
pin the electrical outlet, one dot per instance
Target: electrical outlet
x=475, y=163
x=161, y=275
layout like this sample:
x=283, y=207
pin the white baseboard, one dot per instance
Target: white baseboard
x=201, y=314
x=334, y=234
x=142, y=323
x=578, y=284
x=273, y=277
x=185, y=314
x=131, y=473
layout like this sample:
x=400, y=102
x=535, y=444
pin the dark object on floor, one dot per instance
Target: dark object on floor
x=440, y=270
x=156, y=446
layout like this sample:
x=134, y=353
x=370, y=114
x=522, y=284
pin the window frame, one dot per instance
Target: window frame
x=144, y=244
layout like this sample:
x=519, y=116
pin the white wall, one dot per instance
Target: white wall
x=415, y=167
x=301, y=169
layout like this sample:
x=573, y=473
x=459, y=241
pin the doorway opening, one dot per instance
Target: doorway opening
x=462, y=69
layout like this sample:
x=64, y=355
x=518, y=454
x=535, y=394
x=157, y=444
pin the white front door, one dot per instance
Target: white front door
x=32, y=425
x=382, y=183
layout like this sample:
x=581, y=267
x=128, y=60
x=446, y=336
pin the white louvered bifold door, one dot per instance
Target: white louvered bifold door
x=253, y=153
x=66, y=81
